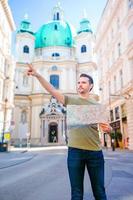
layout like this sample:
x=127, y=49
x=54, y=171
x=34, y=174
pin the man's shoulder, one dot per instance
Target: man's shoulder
x=77, y=100
x=71, y=99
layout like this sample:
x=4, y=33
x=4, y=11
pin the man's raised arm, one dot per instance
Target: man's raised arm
x=54, y=92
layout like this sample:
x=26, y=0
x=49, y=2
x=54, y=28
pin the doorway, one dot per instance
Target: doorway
x=53, y=133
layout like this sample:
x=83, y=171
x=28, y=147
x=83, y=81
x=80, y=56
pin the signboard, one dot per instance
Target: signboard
x=7, y=136
x=86, y=114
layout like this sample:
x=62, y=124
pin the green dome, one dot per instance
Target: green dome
x=55, y=33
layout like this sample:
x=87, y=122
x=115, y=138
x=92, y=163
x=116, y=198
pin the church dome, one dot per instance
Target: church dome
x=54, y=33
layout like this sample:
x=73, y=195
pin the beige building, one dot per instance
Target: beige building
x=7, y=66
x=114, y=47
x=60, y=55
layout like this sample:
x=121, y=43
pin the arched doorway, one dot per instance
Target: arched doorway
x=53, y=133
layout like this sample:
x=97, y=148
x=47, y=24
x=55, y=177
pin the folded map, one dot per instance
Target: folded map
x=86, y=114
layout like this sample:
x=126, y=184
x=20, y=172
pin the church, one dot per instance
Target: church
x=60, y=54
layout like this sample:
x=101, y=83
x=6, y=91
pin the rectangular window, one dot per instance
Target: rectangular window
x=117, y=113
x=121, y=79
x=111, y=115
x=130, y=4
x=119, y=49
x=130, y=32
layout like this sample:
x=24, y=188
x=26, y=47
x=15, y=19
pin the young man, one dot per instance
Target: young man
x=84, y=149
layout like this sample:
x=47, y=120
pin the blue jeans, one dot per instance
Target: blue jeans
x=77, y=160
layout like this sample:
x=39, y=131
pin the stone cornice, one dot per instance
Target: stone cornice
x=87, y=64
x=25, y=35
x=8, y=14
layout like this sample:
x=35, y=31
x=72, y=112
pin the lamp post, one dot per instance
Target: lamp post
x=4, y=122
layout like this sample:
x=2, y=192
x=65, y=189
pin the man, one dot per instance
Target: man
x=84, y=149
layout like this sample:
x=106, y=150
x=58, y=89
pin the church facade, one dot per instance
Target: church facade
x=60, y=55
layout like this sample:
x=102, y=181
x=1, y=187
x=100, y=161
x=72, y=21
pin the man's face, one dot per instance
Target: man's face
x=83, y=85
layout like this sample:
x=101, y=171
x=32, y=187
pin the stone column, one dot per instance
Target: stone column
x=71, y=79
x=46, y=131
x=59, y=131
x=63, y=82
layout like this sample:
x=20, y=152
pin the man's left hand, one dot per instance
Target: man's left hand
x=105, y=127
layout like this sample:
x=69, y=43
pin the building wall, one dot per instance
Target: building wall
x=114, y=47
x=7, y=67
x=23, y=40
x=88, y=40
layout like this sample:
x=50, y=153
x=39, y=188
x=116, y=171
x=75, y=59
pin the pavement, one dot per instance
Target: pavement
x=118, y=168
x=15, y=156
x=19, y=155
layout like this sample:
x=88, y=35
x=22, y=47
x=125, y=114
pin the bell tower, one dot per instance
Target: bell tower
x=25, y=42
x=58, y=13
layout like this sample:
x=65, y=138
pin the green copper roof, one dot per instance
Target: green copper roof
x=84, y=26
x=54, y=33
x=25, y=26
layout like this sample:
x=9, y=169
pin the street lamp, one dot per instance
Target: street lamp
x=4, y=124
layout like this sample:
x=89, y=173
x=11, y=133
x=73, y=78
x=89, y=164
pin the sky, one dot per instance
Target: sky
x=40, y=11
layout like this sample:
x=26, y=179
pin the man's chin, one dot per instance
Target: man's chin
x=81, y=92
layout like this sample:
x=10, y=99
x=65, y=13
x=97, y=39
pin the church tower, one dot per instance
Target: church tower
x=25, y=42
x=85, y=40
x=60, y=57
x=58, y=13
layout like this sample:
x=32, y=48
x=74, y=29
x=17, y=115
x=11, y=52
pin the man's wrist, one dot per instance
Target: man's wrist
x=37, y=75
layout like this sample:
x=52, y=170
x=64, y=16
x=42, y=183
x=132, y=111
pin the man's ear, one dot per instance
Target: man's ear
x=91, y=87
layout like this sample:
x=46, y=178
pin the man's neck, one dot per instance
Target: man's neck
x=84, y=96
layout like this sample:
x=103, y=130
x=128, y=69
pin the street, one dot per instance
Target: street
x=45, y=177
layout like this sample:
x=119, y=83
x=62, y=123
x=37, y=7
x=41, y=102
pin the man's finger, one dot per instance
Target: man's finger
x=30, y=66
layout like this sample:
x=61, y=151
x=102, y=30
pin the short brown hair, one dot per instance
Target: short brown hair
x=89, y=78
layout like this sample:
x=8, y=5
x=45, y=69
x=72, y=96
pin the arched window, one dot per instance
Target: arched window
x=54, y=80
x=83, y=49
x=55, y=27
x=26, y=49
x=55, y=54
x=58, y=16
x=54, y=68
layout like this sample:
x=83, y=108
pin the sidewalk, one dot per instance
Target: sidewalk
x=11, y=158
x=17, y=156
